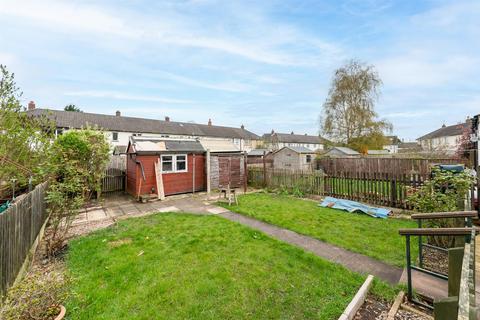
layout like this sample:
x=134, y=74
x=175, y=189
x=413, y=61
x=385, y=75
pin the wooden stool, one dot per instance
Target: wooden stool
x=230, y=194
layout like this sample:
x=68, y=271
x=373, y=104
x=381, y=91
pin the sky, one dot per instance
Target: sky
x=265, y=64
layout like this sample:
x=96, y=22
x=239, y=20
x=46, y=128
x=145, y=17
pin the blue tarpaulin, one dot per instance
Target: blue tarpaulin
x=353, y=206
x=4, y=206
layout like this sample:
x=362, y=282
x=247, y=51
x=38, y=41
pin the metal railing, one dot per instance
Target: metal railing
x=466, y=299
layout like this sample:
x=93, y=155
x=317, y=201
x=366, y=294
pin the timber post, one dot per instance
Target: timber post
x=208, y=172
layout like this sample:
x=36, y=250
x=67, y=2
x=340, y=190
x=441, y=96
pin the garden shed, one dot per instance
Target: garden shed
x=162, y=166
x=226, y=164
x=293, y=158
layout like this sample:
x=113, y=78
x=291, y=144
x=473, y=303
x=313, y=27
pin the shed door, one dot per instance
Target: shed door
x=229, y=171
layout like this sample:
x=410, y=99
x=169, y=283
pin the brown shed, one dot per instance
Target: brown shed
x=227, y=164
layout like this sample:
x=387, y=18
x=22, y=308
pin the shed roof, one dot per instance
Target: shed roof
x=447, y=131
x=77, y=120
x=345, y=150
x=121, y=149
x=294, y=138
x=157, y=145
x=258, y=152
x=219, y=146
x=298, y=149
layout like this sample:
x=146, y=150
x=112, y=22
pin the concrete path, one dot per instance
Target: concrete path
x=124, y=207
x=353, y=261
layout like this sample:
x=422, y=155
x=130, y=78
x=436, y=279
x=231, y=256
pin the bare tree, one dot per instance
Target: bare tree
x=349, y=115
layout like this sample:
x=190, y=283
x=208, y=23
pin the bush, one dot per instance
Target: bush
x=445, y=191
x=37, y=296
x=79, y=159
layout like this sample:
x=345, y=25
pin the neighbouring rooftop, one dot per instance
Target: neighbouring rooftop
x=77, y=120
x=447, y=131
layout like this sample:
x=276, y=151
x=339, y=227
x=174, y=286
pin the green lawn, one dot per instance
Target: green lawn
x=377, y=238
x=181, y=266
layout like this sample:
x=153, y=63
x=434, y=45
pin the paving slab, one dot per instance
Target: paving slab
x=96, y=215
x=168, y=209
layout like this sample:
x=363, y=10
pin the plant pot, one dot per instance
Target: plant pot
x=62, y=313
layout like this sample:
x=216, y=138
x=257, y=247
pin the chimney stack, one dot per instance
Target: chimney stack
x=118, y=114
x=167, y=118
x=242, y=127
x=209, y=122
x=31, y=105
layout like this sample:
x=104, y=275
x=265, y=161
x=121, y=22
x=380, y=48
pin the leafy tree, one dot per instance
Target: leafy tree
x=465, y=146
x=72, y=107
x=79, y=158
x=349, y=111
x=24, y=140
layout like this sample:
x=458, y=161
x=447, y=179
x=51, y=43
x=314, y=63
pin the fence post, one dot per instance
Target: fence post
x=264, y=170
x=393, y=190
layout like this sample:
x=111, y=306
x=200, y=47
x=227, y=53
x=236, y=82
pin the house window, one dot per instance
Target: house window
x=174, y=163
x=137, y=134
x=115, y=136
x=309, y=158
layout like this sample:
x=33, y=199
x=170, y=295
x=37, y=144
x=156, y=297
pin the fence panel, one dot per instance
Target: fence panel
x=114, y=176
x=19, y=227
x=392, y=166
x=380, y=188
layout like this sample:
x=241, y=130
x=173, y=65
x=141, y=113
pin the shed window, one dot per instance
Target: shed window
x=174, y=163
x=115, y=136
x=181, y=163
x=167, y=163
x=309, y=158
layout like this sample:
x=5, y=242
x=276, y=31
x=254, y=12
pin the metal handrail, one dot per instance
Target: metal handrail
x=468, y=232
x=467, y=215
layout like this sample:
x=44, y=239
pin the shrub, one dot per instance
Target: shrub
x=445, y=191
x=37, y=296
x=79, y=158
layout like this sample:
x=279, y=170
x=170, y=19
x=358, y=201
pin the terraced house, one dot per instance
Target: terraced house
x=119, y=128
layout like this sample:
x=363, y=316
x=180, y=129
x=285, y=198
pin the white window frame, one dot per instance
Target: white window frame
x=113, y=136
x=186, y=162
x=174, y=163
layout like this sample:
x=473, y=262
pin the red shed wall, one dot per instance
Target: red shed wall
x=173, y=183
x=132, y=174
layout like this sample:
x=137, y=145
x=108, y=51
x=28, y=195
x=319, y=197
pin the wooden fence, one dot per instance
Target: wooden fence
x=392, y=166
x=114, y=176
x=373, y=187
x=19, y=227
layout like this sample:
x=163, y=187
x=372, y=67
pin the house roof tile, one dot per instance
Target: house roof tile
x=447, y=131
x=69, y=119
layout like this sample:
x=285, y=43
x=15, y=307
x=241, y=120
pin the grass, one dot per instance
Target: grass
x=181, y=266
x=377, y=238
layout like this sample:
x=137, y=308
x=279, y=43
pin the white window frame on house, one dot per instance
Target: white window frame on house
x=308, y=158
x=174, y=162
x=113, y=136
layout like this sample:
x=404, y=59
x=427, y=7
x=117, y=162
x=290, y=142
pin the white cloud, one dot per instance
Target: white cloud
x=124, y=96
x=267, y=42
x=411, y=69
x=63, y=15
x=224, y=86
